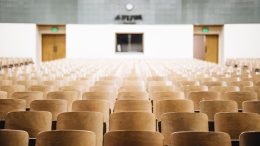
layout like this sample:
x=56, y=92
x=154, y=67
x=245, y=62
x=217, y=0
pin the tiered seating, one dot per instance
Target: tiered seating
x=11, y=62
x=117, y=102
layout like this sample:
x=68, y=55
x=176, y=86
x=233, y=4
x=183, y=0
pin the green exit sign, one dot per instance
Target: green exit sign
x=54, y=29
x=205, y=29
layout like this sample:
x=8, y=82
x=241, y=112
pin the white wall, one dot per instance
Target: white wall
x=87, y=41
x=242, y=41
x=17, y=40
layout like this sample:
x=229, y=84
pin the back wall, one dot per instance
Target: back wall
x=174, y=41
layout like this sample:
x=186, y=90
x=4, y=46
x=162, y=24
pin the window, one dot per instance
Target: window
x=129, y=42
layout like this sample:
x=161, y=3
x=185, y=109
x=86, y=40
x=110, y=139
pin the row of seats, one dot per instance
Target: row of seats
x=35, y=122
x=158, y=96
x=6, y=62
x=126, y=138
x=251, y=63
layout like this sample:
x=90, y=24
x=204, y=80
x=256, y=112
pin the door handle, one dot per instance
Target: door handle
x=55, y=49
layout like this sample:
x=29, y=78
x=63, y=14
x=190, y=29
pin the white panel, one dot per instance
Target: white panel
x=242, y=41
x=17, y=40
x=87, y=41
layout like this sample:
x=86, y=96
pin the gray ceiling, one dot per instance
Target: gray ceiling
x=152, y=11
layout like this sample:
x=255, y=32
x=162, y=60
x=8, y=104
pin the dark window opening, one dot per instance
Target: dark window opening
x=129, y=42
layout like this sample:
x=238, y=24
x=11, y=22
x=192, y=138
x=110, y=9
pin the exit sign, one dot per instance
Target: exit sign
x=205, y=29
x=54, y=29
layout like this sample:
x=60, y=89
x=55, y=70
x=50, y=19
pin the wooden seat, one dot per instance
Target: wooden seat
x=175, y=122
x=240, y=97
x=134, y=121
x=33, y=122
x=236, y=123
x=6, y=82
x=200, y=139
x=84, y=84
x=45, y=89
x=54, y=83
x=214, y=83
x=156, y=78
x=133, y=106
x=107, y=96
x=3, y=95
x=90, y=121
x=157, y=96
x=164, y=106
x=249, y=138
x=132, y=89
x=254, y=89
x=103, y=88
x=132, y=96
x=101, y=106
x=11, y=89
x=133, y=82
x=27, y=83
x=28, y=96
x=13, y=138
x=166, y=88
x=11, y=105
x=223, y=89
x=188, y=89
x=241, y=84
x=211, y=107
x=105, y=83
x=66, y=138
x=251, y=106
x=70, y=96
x=133, y=138
x=189, y=83
x=78, y=88
x=54, y=106
x=196, y=97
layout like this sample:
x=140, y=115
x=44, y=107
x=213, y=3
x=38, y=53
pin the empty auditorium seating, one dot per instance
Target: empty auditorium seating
x=196, y=97
x=11, y=105
x=133, y=138
x=251, y=106
x=28, y=96
x=175, y=122
x=54, y=106
x=236, y=123
x=66, y=138
x=90, y=121
x=101, y=106
x=3, y=94
x=239, y=97
x=130, y=104
x=255, y=89
x=133, y=105
x=45, y=89
x=133, y=95
x=211, y=107
x=13, y=138
x=100, y=95
x=33, y=122
x=200, y=139
x=135, y=121
x=223, y=89
x=180, y=105
x=249, y=138
x=10, y=89
x=70, y=96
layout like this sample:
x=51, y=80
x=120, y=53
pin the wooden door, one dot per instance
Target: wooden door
x=211, y=48
x=53, y=47
x=199, y=47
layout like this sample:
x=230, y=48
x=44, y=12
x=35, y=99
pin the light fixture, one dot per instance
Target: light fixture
x=129, y=6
